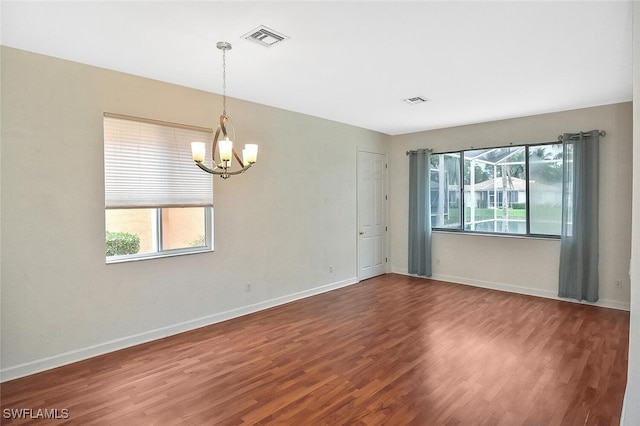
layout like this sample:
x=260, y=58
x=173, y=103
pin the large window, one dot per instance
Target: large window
x=507, y=190
x=157, y=202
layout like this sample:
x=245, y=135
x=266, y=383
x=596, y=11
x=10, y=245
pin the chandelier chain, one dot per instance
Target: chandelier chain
x=225, y=145
x=224, y=81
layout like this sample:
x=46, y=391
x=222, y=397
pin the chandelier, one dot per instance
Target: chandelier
x=225, y=147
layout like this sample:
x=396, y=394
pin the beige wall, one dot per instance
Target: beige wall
x=278, y=226
x=517, y=264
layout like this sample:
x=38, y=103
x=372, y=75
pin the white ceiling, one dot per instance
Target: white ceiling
x=354, y=62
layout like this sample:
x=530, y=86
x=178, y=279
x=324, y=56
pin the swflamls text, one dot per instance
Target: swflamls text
x=40, y=413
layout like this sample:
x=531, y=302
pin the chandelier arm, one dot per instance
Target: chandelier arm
x=242, y=170
x=214, y=145
x=237, y=157
x=205, y=168
x=221, y=172
x=224, y=119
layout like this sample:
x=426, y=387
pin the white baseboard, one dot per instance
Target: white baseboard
x=65, y=358
x=604, y=303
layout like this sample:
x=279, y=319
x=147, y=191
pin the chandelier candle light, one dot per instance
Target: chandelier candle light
x=225, y=146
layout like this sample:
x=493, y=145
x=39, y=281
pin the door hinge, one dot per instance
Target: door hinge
x=386, y=197
x=385, y=165
x=385, y=228
x=385, y=260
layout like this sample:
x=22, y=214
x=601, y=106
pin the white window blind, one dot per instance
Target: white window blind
x=148, y=164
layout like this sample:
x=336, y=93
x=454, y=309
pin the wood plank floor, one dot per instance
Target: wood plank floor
x=392, y=350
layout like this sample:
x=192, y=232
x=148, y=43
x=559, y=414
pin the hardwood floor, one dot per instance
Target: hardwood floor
x=392, y=350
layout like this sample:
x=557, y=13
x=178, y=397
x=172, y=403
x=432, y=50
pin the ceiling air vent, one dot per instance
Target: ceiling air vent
x=415, y=100
x=265, y=36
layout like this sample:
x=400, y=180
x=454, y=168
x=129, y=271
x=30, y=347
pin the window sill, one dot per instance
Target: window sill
x=150, y=256
x=489, y=234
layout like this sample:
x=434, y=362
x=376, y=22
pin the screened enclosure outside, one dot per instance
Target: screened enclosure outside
x=507, y=190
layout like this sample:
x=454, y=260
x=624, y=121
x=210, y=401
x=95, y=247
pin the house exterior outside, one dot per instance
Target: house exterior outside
x=489, y=194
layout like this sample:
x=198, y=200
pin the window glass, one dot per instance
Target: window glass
x=445, y=190
x=138, y=233
x=545, y=189
x=130, y=231
x=495, y=190
x=183, y=227
x=506, y=190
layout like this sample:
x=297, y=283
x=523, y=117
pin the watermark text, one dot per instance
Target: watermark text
x=38, y=413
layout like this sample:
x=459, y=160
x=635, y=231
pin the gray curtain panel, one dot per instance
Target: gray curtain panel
x=419, y=213
x=579, y=246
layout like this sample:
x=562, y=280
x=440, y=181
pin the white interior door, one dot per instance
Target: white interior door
x=372, y=224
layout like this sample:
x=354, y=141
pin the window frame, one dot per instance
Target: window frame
x=461, y=227
x=155, y=142
x=159, y=252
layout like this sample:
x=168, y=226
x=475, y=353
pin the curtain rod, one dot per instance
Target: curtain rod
x=416, y=150
x=602, y=133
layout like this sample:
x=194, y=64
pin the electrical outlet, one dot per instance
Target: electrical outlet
x=331, y=269
x=618, y=284
x=437, y=261
x=248, y=288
